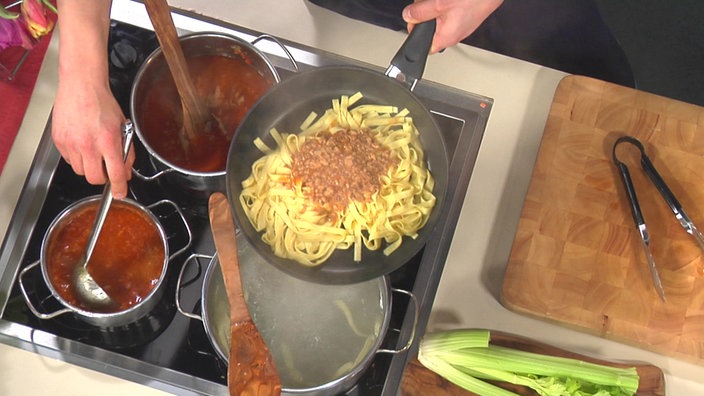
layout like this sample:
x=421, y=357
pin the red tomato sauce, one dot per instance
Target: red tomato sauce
x=229, y=86
x=127, y=261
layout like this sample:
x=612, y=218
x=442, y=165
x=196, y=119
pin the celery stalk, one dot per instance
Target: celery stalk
x=539, y=386
x=522, y=362
x=467, y=353
x=453, y=339
x=544, y=386
x=457, y=377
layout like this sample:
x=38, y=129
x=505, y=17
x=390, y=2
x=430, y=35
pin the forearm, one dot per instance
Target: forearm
x=86, y=117
x=83, y=34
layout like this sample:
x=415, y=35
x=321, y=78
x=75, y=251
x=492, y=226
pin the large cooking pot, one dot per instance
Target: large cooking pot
x=322, y=337
x=289, y=103
x=230, y=74
x=61, y=232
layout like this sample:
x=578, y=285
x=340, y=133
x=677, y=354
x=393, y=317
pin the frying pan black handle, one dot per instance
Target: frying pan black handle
x=412, y=55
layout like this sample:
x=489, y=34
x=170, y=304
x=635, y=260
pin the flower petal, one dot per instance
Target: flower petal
x=35, y=17
x=12, y=34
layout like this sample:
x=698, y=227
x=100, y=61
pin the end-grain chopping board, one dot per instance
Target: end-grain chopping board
x=577, y=258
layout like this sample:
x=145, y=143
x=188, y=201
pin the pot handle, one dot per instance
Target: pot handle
x=412, y=337
x=280, y=44
x=191, y=258
x=152, y=177
x=34, y=310
x=183, y=220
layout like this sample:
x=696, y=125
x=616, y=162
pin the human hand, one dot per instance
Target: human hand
x=456, y=19
x=86, y=120
x=86, y=128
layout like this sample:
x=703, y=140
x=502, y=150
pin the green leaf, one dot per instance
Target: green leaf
x=5, y=14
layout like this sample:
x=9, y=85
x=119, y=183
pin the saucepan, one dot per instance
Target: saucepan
x=322, y=337
x=230, y=73
x=130, y=263
x=287, y=104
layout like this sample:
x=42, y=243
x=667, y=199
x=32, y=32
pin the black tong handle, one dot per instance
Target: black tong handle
x=626, y=178
x=652, y=173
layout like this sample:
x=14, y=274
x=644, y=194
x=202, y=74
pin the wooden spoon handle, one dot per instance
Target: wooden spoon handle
x=195, y=111
x=224, y=235
x=251, y=369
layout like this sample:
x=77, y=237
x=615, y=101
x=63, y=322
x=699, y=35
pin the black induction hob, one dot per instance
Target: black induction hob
x=165, y=349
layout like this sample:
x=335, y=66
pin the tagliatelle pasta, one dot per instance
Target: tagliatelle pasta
x=295, y=218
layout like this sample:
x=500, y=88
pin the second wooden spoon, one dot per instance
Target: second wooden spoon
x=251, y=369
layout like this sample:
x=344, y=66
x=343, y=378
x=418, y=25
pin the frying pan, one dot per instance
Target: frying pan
x=286, y=106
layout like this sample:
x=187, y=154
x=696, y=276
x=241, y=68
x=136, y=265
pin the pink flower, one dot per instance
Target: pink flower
x=35, y=16
x=13, y=33
x=26, y=27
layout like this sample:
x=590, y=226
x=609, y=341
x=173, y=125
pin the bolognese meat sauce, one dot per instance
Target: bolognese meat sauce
x=334, y=169
x=127, y=261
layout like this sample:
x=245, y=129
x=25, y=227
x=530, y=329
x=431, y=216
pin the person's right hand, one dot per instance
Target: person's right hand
x=86, y=128
x=86, y=120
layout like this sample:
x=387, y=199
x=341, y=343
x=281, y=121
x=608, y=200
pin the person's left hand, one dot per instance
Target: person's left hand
x=456, y=19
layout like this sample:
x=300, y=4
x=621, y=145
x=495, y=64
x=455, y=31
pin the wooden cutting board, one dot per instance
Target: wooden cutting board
x=576, y=258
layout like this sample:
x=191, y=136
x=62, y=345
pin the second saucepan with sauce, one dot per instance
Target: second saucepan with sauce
x=289, y=103
x=129, y=262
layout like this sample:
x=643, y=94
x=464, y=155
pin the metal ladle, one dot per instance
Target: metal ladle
x=86, y=287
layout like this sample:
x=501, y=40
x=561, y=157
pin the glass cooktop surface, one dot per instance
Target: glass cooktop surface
x=165, y=349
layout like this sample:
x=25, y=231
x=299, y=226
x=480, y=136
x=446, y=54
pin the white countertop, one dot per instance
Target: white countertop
x=469, y=289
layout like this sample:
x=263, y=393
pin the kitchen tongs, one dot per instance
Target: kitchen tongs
x=666, y=193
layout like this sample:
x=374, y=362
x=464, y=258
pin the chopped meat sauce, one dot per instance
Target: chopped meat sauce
x=127, y=262
x=334, y=169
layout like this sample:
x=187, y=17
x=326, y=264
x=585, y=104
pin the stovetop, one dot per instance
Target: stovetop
x=165, y=349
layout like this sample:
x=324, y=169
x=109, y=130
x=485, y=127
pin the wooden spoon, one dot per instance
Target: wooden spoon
x=196, y=116
x=251, y=369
